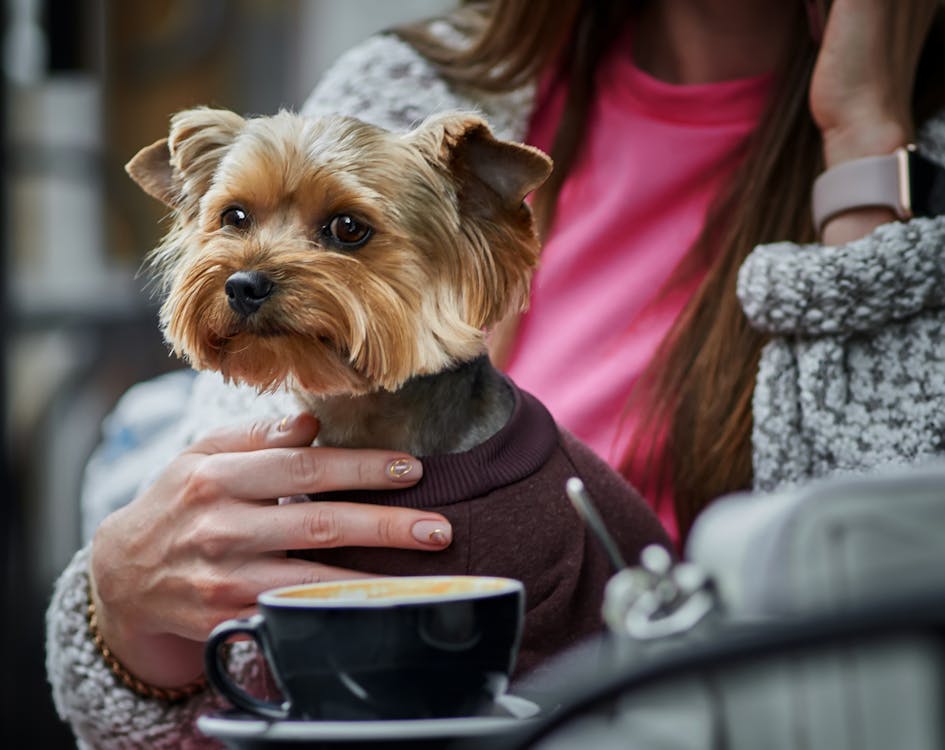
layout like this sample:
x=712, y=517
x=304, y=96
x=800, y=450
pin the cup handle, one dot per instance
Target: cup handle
x=220, y=678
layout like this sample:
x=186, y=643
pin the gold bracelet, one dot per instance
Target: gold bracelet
x=168, y=695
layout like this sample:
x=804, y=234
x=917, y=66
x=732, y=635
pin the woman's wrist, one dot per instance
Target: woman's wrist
x=871, y=137
x=159, y=663
x=128, y=678
x=854, y=224
x=849, y=142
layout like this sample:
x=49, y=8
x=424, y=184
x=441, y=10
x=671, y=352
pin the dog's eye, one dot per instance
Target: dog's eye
x=234, y=217
x=347, y=231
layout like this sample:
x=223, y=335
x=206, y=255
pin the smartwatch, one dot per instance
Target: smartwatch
x=904, y=181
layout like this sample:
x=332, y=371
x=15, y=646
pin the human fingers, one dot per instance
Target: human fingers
x=322, y=524
x=282, y=472
x=295, y=430
x=214, y=596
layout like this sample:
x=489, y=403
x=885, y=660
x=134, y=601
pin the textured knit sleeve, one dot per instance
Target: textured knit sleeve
x=385, y=82
x=103, y=713
x=895, y=272
x=853, y=378
x=811, y=290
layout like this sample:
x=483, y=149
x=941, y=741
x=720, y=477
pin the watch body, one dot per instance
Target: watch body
x=905, y=181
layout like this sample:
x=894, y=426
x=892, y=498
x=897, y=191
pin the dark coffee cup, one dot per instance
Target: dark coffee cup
x=380, y=648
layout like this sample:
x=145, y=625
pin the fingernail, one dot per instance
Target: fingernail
x=437, y=533
x=284, y=424
x=403, y=470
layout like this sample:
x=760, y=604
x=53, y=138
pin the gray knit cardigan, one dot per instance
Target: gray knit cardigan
x=854, y=378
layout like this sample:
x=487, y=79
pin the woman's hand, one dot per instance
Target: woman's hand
x=861, y=89
x=202, y=541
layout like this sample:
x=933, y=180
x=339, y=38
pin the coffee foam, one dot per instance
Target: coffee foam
x=398, y=588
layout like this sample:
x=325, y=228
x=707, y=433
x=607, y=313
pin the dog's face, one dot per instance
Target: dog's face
x=334, y=256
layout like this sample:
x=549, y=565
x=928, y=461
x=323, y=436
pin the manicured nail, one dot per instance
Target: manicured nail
x=437, y=533
x=402, y=470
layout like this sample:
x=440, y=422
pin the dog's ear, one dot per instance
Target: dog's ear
x=509, y=170
x=179, y=169
x=499, y=245
x=151, y=169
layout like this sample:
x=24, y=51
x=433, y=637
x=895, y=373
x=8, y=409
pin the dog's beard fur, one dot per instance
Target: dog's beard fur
x=332, y=325
x=448, y=257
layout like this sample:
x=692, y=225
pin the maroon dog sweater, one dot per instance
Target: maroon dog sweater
x=511, y=517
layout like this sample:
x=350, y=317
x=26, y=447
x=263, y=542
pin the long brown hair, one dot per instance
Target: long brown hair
x=698, y=388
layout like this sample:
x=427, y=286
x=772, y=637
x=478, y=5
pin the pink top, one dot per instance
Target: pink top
x=629, y=210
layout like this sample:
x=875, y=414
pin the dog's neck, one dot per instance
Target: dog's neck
x=448, y=412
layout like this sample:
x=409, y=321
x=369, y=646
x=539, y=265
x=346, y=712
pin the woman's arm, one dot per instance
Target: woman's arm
x=195, y=547
x=871, y=269
x=861, y=91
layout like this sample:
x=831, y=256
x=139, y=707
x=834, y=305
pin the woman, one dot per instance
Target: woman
x=676, y=412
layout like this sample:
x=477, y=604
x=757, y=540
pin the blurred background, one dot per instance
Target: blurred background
x=87, y=83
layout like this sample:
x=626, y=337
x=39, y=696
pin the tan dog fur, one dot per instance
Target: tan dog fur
x=451, y=248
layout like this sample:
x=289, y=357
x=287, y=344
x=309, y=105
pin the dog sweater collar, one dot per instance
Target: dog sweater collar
x=515, y=452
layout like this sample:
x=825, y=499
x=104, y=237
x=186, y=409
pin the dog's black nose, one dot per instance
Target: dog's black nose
x=247, y=290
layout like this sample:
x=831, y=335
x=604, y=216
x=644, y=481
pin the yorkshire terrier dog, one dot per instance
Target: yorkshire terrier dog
x=361, y=269
x=348, y=263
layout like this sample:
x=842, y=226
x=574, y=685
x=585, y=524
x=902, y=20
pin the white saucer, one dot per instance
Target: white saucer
x=235, y=728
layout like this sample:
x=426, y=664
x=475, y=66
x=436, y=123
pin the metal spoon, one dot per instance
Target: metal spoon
x=582, y=503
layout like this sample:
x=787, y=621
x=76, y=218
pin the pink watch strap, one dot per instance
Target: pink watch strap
x=871, y=181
